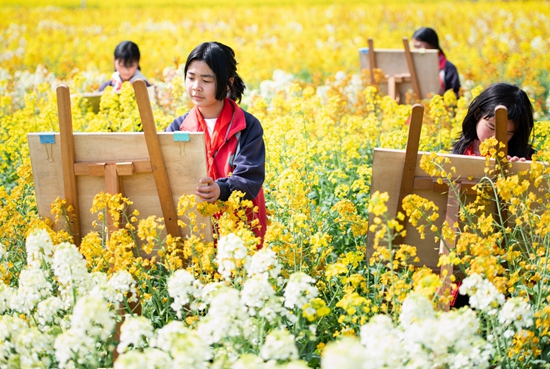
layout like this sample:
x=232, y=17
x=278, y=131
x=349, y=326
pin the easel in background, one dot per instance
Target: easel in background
x=404, y=70
x=398, y=173
x=132, y=164
x=94, y=98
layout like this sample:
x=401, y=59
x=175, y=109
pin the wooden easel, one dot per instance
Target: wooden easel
x=113, y=171
x=131, y=163
x=411, y=179
x=400, y=73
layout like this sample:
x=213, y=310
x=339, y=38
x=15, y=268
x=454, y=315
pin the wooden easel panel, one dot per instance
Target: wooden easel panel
x=386, y=177
x=393, y=62
x=185, y=165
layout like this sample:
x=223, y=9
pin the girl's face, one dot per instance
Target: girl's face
x=125, y=72
x=200, y=83
x=486, y=128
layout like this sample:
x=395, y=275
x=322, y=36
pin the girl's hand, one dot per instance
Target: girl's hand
x=515, y=158
x=208, y=189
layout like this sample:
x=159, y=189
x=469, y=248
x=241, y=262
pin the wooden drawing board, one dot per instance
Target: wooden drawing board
x=393, y=62
x=386, y=177
x=185, y=164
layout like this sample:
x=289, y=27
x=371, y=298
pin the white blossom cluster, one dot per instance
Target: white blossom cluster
x=424, y=339
x=114, y=289
x=54, y=282
x=299, y=290
x=515, y=315
x=182, y=286
x=174, y=345
x=483, y=294
x=135, y=332
x=226, y=318
x=279, y=345
x=263, y=261
x=91, y=321
x=24, y=346
x=230, y=249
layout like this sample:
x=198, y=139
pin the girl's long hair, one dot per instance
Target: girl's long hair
x=520, y=111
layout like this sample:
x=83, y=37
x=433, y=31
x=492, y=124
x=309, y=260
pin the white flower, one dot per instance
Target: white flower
x=230, y=249
x=205, y=294
x=263, y=261
x=226, y=317
x=299, y=290
x=483, y=294
x=33, y=348
x=68, y=264
x=256, y=292
x=33, y=288
x=186, y=346
x=181, y=286
x=296, y=364
x=345, y=353
x=383, y=343
x=148, y=359
x=71, y=346
x=119, y=285
x=92, y=317
x=279, y=345
x=91, y=322
x=5, y=296
x=2, y=251
x=248, y=361
x=415, y=307
x=516, y=312
x=135, y=331
x=48, y=310
x=39, y=248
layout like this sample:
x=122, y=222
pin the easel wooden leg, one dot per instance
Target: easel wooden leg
x=411, y=153
x=451, y=217
x=391, y=87
x=412, y=69
x=372, y=60
x=68, y=158
x=157, y=159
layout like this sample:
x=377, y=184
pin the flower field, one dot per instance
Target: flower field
x=309, y=297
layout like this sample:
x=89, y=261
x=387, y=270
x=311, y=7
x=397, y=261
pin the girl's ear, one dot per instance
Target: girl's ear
x=231, y=80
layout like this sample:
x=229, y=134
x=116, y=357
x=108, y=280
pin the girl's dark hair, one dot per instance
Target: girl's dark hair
x=520, y=111
x=221, y=59
x=428, y=35
x=128, y=53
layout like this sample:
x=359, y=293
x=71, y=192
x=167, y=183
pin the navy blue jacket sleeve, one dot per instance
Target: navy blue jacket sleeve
x=175, y=125
x=104, y=85
x=249, y=164
x=451, y=77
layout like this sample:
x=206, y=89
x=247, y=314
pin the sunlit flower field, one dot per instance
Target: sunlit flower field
x=309, y=297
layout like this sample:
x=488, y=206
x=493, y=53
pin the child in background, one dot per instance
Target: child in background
x=479, y=123
x=126, y=66
x=426, y=38
x=233, y=137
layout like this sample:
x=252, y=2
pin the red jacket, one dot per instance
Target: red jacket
x=242, y=155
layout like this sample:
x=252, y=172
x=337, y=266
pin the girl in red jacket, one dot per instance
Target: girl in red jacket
x=233, y=137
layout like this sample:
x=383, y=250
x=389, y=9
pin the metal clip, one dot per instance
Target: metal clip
x=181, y=138
x=48, y=139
